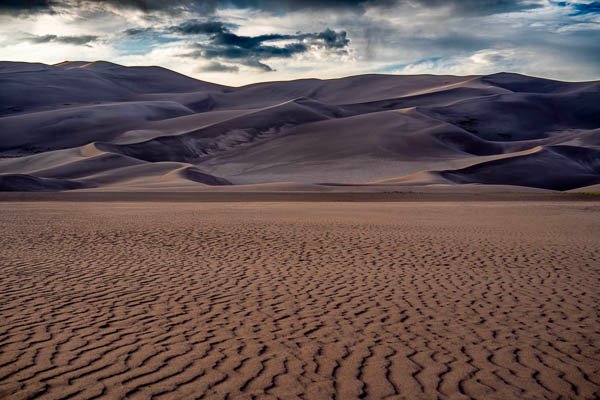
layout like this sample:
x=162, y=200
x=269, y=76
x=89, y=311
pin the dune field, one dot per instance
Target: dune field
x=105, y=127
x=259, y=300
x=373, y=236
x=299, y=200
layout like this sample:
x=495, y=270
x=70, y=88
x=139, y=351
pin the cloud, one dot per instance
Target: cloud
x=221, y=43
x=236, y=41
x=195, y=27
x=524, y=60
x=74, y=40
x=176, y=7
x=137, y=31
x=218, y=67
x=590, y=8
x=480, y=7
x=482, y=62
x=20, y=7
x=331, y=39
x=581, y=8
x=209, y=7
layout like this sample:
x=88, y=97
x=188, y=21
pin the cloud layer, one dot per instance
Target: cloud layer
x=75, y=40
x=242, y=41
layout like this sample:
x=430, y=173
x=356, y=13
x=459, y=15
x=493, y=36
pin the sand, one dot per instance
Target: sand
x=407, y=300
x=107, y=127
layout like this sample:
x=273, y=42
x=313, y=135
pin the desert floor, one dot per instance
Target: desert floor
x=410, y=300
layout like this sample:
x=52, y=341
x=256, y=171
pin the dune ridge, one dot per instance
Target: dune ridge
x=355, y=130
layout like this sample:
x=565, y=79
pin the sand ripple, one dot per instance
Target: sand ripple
x=292, y=300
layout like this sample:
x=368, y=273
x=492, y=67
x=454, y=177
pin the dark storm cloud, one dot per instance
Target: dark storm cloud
x=332, y=39
x=591, y=8
x=75, y=40
x=480, y=7
x=581, y=8
x=137, y=31
x=173, y=7
x=249, y=56
x=220, y=34
x=220, y=43
x=22, y=7
x=214, y=40
x=207, y=7
x=195, y=27
x=159, y=6
x=328, y=38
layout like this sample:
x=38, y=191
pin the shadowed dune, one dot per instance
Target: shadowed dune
x=31, y=87
x=66, y=128
x=524, y=116
x=535, y=168
x=578, y=167
x=28, y=183
x=355, y=130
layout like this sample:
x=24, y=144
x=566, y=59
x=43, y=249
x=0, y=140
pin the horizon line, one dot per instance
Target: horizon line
x=85, y=62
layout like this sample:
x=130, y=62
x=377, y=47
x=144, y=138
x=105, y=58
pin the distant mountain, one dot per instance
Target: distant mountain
x=103, y=126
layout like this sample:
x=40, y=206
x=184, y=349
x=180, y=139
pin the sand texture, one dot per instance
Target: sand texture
x=106, y=127
x=445, y=300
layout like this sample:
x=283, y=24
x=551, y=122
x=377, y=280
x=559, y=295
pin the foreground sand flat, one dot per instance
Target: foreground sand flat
x=487, y=300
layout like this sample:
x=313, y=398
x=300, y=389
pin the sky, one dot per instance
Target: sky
x=237, y=42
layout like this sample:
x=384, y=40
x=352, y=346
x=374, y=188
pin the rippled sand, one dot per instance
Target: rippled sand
x=487, y=300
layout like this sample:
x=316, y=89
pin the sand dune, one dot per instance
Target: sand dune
x=355, y=130
x=30, y=87
x=300, y=300
x=65, y=128
x=161, y=175
x=28, y=183
x=224, y=135
x=587, y=189
x=578, y=167
x=536, y=168
x=524, y=116
x=92, y=166
x=313, y=239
